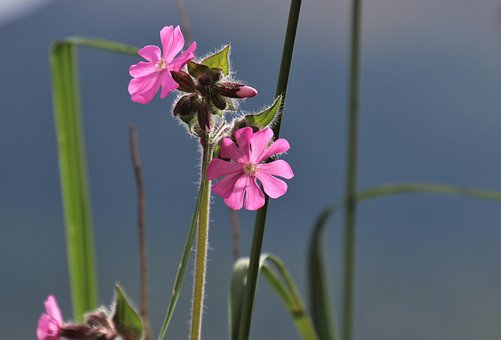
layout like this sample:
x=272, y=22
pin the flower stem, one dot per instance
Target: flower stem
x=257, y=239
x=351, y=173
x=202, y=243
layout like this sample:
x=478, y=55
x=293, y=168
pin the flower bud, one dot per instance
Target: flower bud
x=235, y=90
x=186, y=83
x=187, y=104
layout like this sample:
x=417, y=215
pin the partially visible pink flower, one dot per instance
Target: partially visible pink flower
x=239, y=186
x=150, y=76
x=50, y=322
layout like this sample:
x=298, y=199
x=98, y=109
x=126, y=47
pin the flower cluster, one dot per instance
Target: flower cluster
x=208, y=92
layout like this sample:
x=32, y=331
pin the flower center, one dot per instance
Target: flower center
x=250, y=169
x=161, y=65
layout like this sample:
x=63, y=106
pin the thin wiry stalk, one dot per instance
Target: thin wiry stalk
x=260, y=222
x=351, y=173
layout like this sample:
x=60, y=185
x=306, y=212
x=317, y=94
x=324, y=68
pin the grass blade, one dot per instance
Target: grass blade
x=260, y=222
x=73, y=174
x=73, y=169
x=280, y=280
x=318, y=289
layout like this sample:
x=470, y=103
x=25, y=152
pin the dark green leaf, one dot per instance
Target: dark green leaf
x=127, y=321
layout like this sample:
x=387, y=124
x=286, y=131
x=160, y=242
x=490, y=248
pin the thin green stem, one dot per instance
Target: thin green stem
x=201, y=250
x=257, y=239
x=351, y=172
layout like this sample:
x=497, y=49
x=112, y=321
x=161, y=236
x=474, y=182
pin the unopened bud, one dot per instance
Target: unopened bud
x=235, y=90
x=187, y=104
x=186, y=83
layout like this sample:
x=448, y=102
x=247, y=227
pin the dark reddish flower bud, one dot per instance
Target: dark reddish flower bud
x=235, y=90
x=186, y=83
x=204, y=118
x=187, y=104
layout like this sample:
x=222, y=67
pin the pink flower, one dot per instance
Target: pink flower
x=50, y=323
x=246, y=167
x=150, y=76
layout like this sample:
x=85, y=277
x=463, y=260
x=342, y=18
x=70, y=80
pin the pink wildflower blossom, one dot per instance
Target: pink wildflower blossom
x=50, y=323
x=246, y=167
x=150, y=76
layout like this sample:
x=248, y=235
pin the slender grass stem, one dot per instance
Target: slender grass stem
x=351, y=173
x=201, y=250
x=260, y=221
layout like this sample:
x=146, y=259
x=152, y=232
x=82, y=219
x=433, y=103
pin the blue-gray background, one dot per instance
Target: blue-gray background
x=428, y=266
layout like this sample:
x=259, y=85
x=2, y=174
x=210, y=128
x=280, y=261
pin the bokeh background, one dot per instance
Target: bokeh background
x=428, y=266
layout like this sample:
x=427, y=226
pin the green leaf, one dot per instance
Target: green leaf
x=73, y=167
x=266, y=117
x=183, y=264
x=220, y=60
x=317, y=273
x=127, y=321
x=276, y=274
x=196, y=69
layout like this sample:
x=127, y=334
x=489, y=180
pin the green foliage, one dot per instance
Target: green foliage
x=277, y=275
x=266, y=117
x=127, y=321
x=73, y=168
x=317, y=276
x=219, y=60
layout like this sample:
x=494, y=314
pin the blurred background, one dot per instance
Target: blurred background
x=428, y=266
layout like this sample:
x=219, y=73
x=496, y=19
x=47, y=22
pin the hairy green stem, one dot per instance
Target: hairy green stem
x=257, y=240
x=351, y=173
x=201, y=250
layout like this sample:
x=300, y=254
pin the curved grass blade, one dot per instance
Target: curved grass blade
x=73, y=168
x=277, y=275
x=318, y=289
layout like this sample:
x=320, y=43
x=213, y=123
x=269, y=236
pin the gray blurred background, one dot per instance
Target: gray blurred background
x=428, y=266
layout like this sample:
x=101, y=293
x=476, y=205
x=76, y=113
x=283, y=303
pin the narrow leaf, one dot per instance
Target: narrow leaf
x=73, y=176
x=127, y=321
x=73, y=168
x=283, y=285
x=317, y=273
x=220, y=60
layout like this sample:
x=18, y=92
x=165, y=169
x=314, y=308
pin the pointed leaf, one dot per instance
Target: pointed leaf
x=267, y=117
x=220, y=60
x=127, y=321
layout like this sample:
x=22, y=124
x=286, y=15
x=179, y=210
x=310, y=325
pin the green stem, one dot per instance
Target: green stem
x=260, y=222
x=351, y=173
x=201, y=250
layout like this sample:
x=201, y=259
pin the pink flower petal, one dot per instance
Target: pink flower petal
x=168, y=84
x=177, y=64
x=142, y=69
x=53, y=310
x=259, y=141
x=150, y=53
x=172, y=42
x=230, y=150
x=277, y=168
x=47, y=329
x=272, y=186
x=225, y=186
x=236, y=199
x=218, y=168
x=243, y=137
x=279, y=146
x=143, y=89
x=254, y=197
